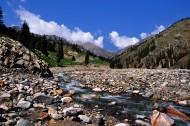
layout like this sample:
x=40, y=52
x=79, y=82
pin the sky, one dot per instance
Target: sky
x=109, y=24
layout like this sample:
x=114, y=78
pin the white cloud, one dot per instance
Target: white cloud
x=99, y=42
x=122, y=41
x=39, y=26
x=143, y=35
x=156, y=31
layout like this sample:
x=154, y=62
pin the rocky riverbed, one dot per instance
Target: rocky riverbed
x=79, y=96
x=164, y=84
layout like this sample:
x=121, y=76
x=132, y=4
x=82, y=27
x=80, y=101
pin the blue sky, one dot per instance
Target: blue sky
x=109, y=24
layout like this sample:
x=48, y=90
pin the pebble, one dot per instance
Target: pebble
x=142, y=123
x=56, y=116
x=66, y=99
x=97, y=89
x=24, y=104
x=72, y=111
x=122, y=124
x=136, y=91
x=149, y=94
x=85, y=118
x=24, y=122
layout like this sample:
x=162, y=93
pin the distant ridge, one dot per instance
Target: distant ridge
x=168, y=49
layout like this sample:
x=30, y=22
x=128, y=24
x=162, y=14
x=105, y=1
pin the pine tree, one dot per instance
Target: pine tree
x=73, y=58
x=38, y=43
x=60, y=54
x=112, y=64
x=32, y=43
x=25, y=35
x=3, y=28
x=44, y=46
x=1, y=17
x=87, y=58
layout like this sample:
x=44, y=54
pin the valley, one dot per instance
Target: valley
x=51, y=75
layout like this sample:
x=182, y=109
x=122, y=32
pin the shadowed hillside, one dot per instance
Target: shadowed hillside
x=168, y=49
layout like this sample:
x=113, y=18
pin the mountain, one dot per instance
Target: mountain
x=168, y=49
x=98, y=51
x=84, y=47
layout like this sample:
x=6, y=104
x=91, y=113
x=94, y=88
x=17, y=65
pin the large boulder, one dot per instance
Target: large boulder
x=173, y=111
x=161, y=119
x=14, y=55
x=42, y=98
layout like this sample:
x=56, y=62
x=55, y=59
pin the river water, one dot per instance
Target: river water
x=122, y=106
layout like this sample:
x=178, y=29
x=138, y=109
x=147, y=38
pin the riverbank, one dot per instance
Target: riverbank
x=67, y=98
x=164, y=84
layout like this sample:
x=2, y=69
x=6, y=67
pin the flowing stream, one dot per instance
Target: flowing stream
x=122, y=106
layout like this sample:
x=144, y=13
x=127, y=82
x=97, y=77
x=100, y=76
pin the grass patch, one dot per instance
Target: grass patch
x=50, y=62
x=67, y=62
x=81, y=55
x=98, y=61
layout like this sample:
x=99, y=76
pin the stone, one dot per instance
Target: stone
x=66, y=99
x=85, y=118
x=95, y=97
x=72, y=92
x=185, y=97
x=142, y=123
x=52, y=110
x=97, y=89
x=23, y=122
x=184, y=102
x=98, y=120
x=164, y=84
x=161, y=119
x=12, y=115
x=112, y=103
x=5, y=95
x=57, y=116
x=72, y=111
x=61, y=75
x=173, y=111
x=59, y=91
x=40, y=97
x=140, y=116
x=20, y=63
x=41, y=81
x=6, y=106
x=149, y=94
x=10, y=123
x=23, y=114
x=136, y=91
x=183, y=81
x=173, y=84
x=1, y=83
x=25, y=82
x=39, y=105
x=122, y=124
x=68, y=95
x=86, y=96
x=24, y=104
x=43, y=115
